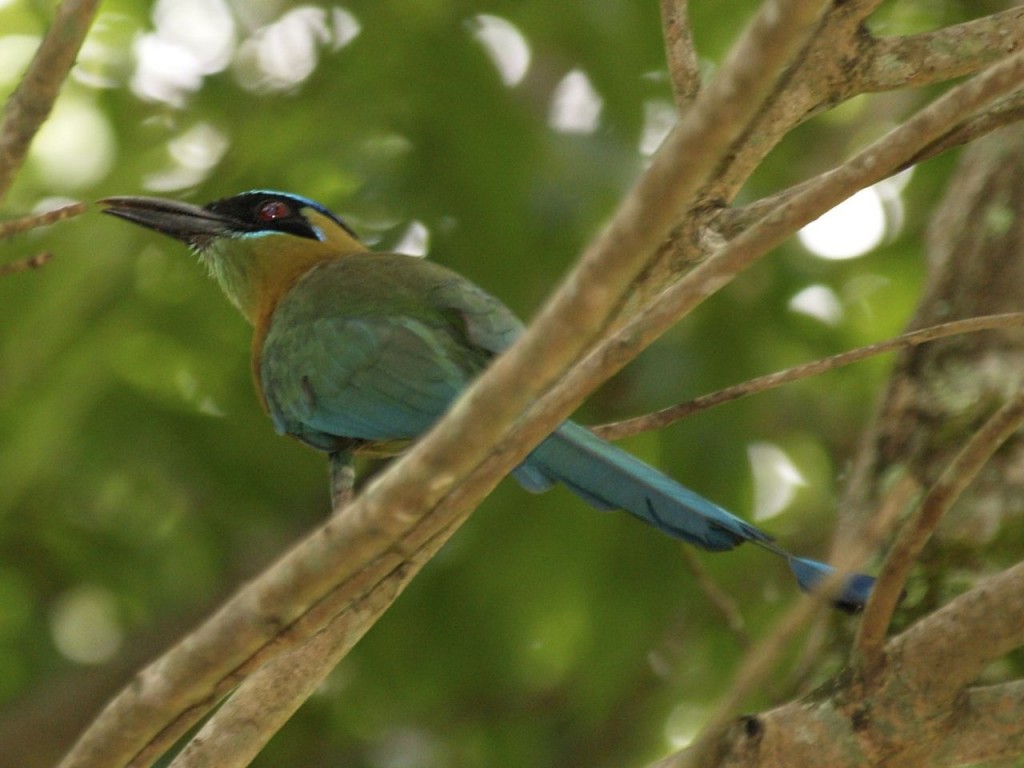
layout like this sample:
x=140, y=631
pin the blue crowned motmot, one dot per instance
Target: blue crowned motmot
x=355, y=350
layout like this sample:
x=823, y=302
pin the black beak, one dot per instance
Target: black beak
x=184, y=221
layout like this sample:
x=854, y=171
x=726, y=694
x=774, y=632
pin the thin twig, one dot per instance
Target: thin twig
x=24, y=265
x=666, y=416
x=680, y=52
x=26, y=223
x=1004, y=112
x=957, y=475
x=32, y=100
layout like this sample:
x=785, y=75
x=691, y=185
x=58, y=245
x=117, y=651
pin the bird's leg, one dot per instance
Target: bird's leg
x=343, y=478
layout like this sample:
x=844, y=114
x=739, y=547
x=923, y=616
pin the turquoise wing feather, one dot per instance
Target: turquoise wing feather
x=376, y=357
x=371, y=379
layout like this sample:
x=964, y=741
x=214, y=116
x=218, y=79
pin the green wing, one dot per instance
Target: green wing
x=381, y=363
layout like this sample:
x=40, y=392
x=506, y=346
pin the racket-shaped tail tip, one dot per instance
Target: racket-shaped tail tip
x=853, y=595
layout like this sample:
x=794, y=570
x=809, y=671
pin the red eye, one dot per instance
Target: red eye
x=273, y=209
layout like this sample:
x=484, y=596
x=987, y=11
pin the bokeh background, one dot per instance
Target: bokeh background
x=140, y=482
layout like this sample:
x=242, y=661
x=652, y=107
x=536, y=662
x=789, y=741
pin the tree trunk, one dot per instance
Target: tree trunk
x=939, y=393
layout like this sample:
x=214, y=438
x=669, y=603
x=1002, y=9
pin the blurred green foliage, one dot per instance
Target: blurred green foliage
x=135, y=462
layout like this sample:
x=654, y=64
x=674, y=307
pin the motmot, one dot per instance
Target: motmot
x=357, y=350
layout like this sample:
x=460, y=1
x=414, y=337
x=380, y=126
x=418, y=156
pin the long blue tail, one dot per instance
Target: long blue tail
x=608, y=478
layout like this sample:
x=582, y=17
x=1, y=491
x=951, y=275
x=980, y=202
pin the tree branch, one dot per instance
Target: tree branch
x=913, y=537
x=1005, y=111
x=16, y=226
x=930, y=664
x=257, y=709
x=31, y=102
x=680, y=52
x=13, y=227
x=24, y=265
x=947, y=53
x=830, y=72
x=915, y=711
x=988, y=726
x=268, y=697
x=666, y=416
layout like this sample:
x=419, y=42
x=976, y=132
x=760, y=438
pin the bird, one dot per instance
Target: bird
x=356, y=350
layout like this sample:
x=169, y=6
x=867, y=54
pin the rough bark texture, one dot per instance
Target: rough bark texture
x=919, y=710
x=940, y=392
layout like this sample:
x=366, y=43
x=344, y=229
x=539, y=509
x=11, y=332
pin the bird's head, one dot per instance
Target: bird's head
x=256, y=243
